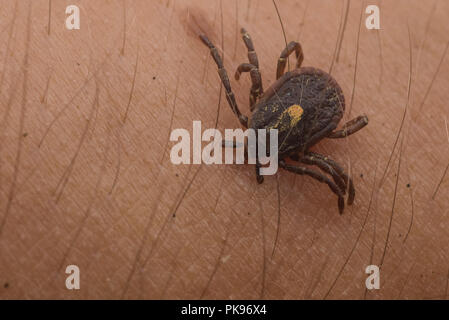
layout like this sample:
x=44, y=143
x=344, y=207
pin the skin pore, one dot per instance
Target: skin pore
x=86, y=177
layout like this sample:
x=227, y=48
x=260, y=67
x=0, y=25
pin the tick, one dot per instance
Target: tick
x=305, y=105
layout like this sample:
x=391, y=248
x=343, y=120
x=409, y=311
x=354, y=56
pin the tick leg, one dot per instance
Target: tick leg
x=225, y=80
x=256, y=80
x=350, y=127
x=259, y=177
x=326, y=167
x=318, y=176
x=349, y=185
x=253, y=68
x=292, y=46
x=252, y=55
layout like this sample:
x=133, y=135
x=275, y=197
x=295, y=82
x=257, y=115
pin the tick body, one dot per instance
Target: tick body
x=305, y=105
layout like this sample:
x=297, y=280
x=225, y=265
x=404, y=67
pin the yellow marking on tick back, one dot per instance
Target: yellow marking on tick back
x=295, y=112
x=288, y=118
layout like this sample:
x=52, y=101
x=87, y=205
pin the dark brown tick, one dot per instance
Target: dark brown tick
x=305, y=106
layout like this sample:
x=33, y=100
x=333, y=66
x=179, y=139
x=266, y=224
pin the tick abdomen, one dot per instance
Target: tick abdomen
x=299, y=105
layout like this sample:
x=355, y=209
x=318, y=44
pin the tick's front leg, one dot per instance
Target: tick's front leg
x=291, y=47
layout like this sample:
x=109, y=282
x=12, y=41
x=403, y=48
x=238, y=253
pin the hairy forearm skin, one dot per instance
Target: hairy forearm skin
x=86, y=177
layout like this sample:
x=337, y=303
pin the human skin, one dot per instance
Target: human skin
x=86, y=177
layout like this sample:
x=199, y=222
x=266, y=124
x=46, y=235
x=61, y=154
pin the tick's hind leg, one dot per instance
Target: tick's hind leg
x=318, y=176
x=253, y=68
x=327, y=168
x=350, y=127
x=225, y=80
x=292, y=46
x=330, y=167
x=336, y=169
